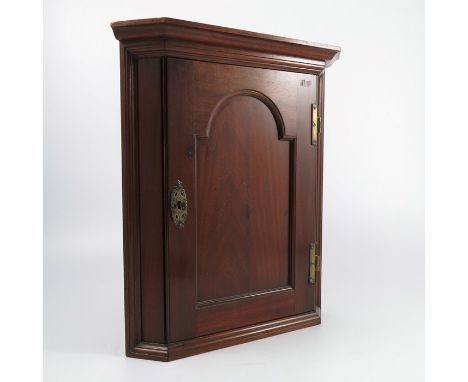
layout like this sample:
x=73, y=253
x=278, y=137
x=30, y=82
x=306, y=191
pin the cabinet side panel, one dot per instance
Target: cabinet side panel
x=151, y=200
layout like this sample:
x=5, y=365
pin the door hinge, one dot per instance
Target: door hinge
x=315, y=124
x=314, y=263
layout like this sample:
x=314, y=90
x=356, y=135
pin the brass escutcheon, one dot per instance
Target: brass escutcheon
x=179, y=204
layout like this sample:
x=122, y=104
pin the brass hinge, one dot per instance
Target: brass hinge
x=315, y=124
x=314, y=263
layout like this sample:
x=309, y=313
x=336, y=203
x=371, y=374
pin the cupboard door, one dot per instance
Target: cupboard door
x=242, y=173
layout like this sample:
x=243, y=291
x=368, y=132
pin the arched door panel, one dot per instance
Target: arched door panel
x=243, y=156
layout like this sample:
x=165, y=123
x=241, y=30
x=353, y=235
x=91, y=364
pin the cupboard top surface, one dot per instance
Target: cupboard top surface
x=168, y=28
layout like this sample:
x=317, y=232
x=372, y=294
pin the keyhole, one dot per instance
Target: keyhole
x=180, y=205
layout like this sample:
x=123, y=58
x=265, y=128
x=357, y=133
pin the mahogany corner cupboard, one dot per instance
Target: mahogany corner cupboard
x=222, y=151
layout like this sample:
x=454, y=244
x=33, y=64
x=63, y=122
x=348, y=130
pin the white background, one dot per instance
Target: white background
x=373, y=239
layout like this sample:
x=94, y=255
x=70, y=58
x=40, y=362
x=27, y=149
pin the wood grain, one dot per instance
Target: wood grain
x=151, y=200
x=228, y=113
x=237, y=159
x=174, y=29
x=177, y=350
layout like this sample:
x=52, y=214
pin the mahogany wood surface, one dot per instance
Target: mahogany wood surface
x=180, y=30
x=243, y=218
x=237, y=159
x=228, y=113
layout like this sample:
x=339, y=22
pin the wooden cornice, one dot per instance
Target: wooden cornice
x=168, y=29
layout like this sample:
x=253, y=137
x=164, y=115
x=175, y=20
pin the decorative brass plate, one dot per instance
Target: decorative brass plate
x=179, y=205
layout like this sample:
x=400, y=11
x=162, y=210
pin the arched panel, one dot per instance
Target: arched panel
x=255, y=94
x=239, y=141
x=244, y=177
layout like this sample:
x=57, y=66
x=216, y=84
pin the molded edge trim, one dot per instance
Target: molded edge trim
x=167, y=28
x=173, y=351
